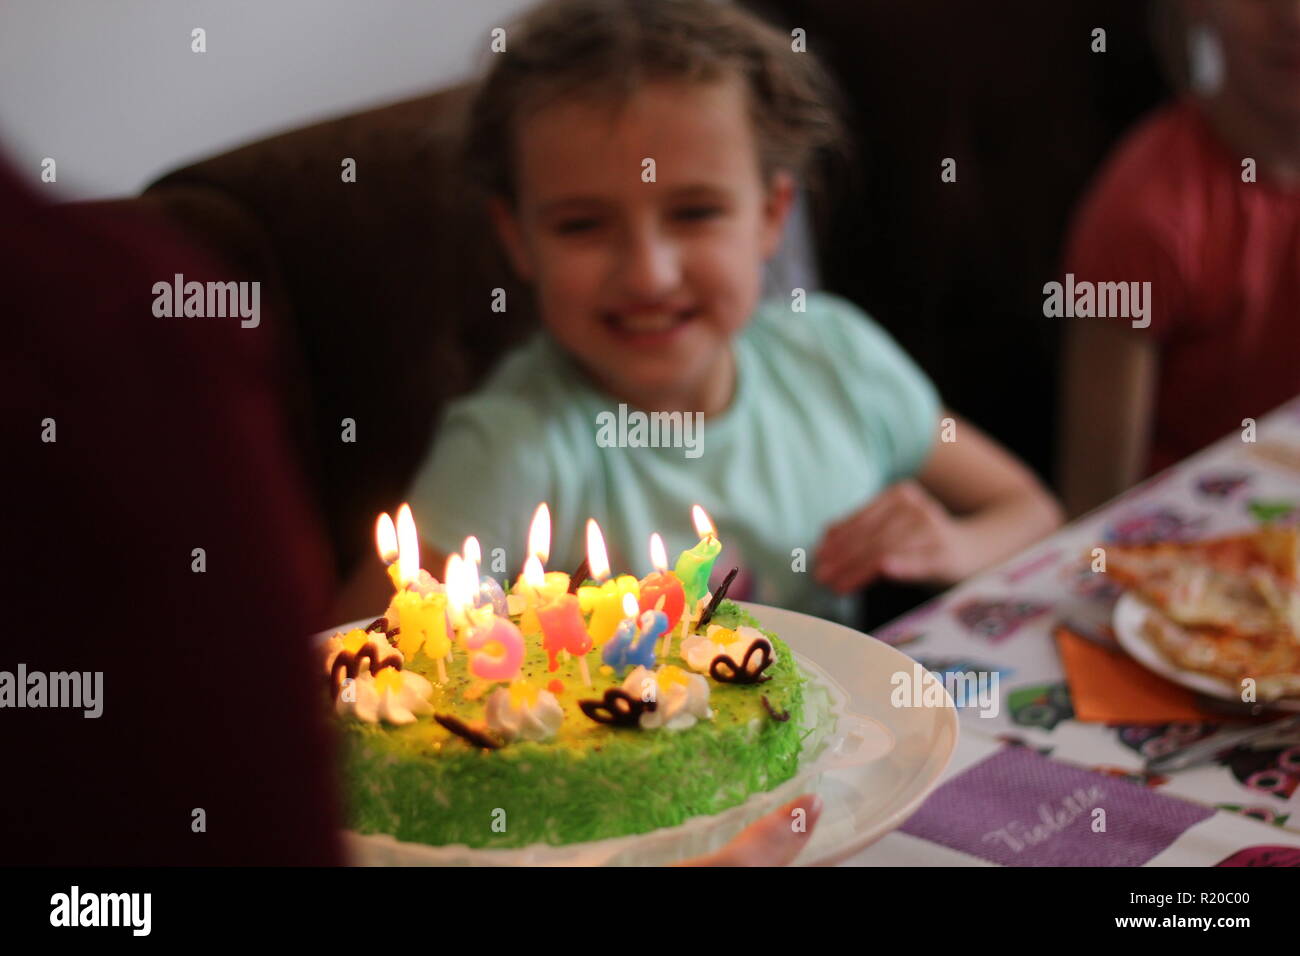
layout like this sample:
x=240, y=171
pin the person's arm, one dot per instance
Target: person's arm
x=1106, y=409
x=1000, y=507
x=971, y=505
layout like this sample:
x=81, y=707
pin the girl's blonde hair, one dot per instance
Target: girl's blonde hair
x=604, y=50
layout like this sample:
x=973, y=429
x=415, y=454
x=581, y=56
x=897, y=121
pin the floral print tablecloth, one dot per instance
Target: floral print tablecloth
x=1029, y=780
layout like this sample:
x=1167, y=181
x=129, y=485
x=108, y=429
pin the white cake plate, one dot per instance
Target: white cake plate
x=872, y=764
x=1130, y=615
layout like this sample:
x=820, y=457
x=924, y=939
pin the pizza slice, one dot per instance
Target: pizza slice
x=1228, y=607
x=1272, y=661
x=1244, y=585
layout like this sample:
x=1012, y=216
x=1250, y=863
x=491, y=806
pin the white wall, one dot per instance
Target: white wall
x=111, y=90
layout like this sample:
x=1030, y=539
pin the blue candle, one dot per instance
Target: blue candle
x=632, y=646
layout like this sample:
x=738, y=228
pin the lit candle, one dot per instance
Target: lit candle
x=421, y=617
x=562, y=626
x=632, y=646
x=386, y=545
x=487, y=588
x=452, y=582
x=695, y=565
x=604, y=600
x=537, y=589
x=496, y=646
x=661, y=589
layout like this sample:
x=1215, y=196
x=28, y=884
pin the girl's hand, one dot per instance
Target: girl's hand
x=903, y=534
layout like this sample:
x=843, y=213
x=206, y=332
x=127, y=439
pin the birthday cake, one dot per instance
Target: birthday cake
x=649, y=710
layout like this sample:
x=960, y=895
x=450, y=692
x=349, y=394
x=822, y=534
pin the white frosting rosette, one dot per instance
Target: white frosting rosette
x=699, y=650
x=393, y=695
x=681, y=697
x=523, y=712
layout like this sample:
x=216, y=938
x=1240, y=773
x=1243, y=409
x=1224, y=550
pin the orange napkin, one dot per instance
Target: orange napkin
x=1110, y=687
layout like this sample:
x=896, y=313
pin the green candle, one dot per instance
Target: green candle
x=695, y=565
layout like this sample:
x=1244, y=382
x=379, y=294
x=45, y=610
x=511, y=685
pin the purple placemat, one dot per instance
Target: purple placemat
x=1019, y=808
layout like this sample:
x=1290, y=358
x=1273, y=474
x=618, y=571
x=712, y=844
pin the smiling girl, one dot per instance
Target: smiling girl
x=639, y=161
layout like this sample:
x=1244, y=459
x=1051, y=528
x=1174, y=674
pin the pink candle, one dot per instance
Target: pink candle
x=564, y=630
x=497, y=650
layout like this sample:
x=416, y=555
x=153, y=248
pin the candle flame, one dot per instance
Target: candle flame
x=597, y=557
x=386, y=539
x=533, y=572
x=539, y=533
x=460, y=592
x=630, y=606
x=471, y=550
x=658, y=556
x=703, y=526
x=408, y=546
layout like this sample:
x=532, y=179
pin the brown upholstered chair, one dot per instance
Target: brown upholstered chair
x=380, y=290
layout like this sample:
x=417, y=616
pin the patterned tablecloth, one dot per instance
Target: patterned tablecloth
x=1032, y=785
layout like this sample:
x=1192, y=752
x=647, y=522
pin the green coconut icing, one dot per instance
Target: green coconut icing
x=421, y=783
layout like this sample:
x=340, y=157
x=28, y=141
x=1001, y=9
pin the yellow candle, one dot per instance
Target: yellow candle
x=605, y=604
x=423, y=623
x=422, y=620
x=604, y=600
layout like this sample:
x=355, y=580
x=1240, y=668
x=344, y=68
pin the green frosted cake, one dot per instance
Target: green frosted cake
x=548, y=759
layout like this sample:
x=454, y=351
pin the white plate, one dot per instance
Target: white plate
x=872, y=764
x=1130, y=613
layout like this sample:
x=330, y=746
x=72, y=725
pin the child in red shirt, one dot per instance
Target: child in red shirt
x=1202, y=200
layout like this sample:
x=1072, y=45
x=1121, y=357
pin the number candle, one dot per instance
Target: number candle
x=562, y=626
x=499, y=650
x=652, y=624
x=695, y=565
x=630, y=646
x=604, y=600
x=496, y=646
x=422, y=618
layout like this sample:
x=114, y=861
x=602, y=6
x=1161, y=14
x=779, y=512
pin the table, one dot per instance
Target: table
x=1030, y=784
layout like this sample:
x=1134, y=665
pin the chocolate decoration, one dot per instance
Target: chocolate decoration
x=780, y=717
x=463, y=730
x=718, y=595
x=578, y=576
x=378, y=624
x=348, y=663
x=618, y=709
x=744, y=673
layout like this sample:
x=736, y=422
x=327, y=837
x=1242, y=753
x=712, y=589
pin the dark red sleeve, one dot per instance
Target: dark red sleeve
x=1131, y=227
x=1111, y=243
x=169, y=438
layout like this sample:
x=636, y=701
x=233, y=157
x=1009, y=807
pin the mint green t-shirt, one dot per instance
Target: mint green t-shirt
x=827, y=411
